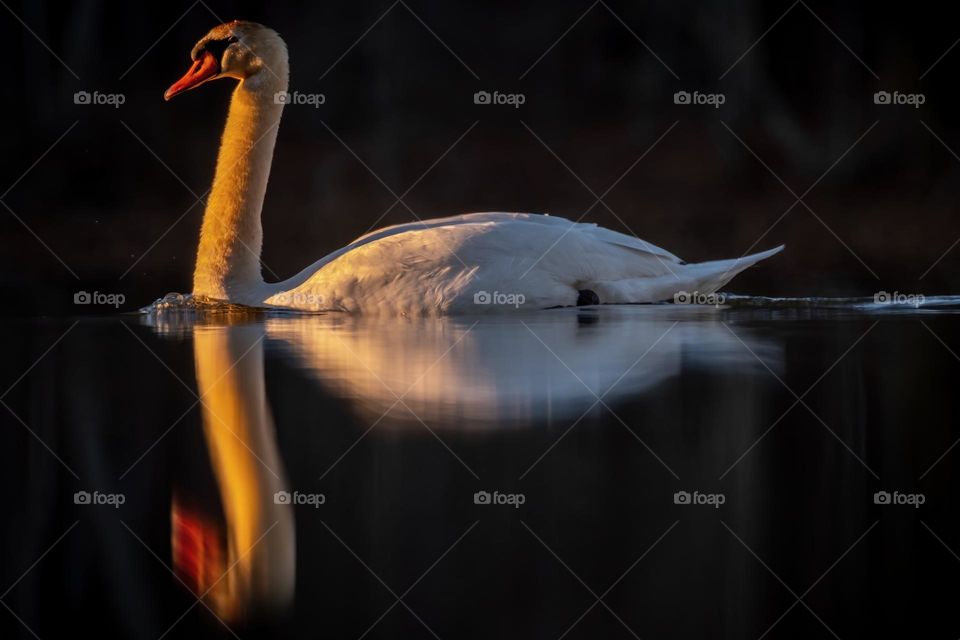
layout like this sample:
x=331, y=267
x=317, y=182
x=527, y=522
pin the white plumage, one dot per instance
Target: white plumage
x=495, y=262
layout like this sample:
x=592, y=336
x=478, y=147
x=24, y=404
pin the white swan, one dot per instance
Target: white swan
x=476, y=263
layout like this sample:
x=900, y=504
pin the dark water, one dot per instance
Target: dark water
x=783, y=418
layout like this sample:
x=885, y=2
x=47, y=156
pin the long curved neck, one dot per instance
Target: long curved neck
x=228, y=257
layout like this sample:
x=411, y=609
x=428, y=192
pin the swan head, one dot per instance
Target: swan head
x=242, y=50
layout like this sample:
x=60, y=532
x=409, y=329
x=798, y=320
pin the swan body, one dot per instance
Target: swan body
x=494, y=262
x=473, y=263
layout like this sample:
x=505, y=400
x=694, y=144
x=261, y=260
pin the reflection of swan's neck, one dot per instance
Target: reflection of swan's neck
x=239, y=432
x=228, y=258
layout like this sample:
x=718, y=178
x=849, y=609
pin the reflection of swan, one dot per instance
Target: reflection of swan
x=452, y=265
x=252, y=563
x=500, y=371
x=497, y=372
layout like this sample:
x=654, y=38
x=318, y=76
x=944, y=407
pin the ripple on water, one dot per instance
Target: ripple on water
x=880, y=303
x=176, y=309
x=177, y=313
x=188, y=302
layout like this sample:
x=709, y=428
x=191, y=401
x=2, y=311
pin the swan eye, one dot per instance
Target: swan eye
x=218, y=47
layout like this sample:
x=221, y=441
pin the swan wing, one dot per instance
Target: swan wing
x=516, y=222
x=612, y=237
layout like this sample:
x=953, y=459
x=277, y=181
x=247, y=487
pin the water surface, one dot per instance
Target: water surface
x=328, y=475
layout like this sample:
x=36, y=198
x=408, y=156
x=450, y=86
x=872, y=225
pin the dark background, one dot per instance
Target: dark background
x=399, y=99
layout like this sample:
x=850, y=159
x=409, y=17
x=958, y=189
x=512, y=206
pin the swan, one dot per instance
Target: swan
x=464, y=264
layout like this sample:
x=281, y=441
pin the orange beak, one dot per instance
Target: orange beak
x=205, y=68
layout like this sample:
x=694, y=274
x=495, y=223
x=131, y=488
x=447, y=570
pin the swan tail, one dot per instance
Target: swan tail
x=701, y=278
x=708, y=277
